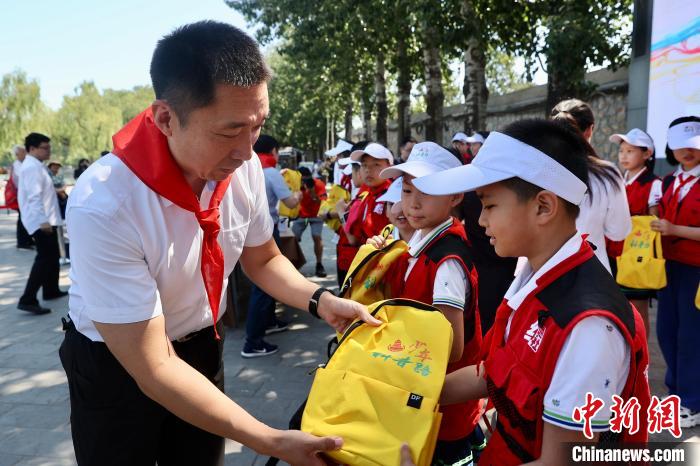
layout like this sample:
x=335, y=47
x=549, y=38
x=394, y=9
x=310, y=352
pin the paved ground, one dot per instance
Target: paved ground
x=34, y=427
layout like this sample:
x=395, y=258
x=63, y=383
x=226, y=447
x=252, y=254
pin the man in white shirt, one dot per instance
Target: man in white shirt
x=157, y=226
x=40, y=216
x=24, y=239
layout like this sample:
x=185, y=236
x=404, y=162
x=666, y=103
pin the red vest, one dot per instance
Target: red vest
x=458, y=420
x=519, y=370
x=677, y=249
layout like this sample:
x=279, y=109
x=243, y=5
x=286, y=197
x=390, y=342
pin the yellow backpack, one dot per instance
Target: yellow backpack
x=293, y=180
x=641, y=264
x=366, y=281
x=336, y=193
x=381, y=386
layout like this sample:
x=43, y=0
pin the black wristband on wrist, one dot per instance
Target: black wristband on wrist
x=313, y=302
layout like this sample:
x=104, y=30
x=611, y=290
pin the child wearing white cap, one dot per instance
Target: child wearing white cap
x=643, y=189
x=394, y=211
x=564, y=328
x=439, y=271
x=678, y=319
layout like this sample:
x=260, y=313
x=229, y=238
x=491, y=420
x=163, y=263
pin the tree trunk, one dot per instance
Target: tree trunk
x=380, y=99
x=403, y=83
x=366, y=117
x=476, y=94
x=348, y=119
x=434, y=96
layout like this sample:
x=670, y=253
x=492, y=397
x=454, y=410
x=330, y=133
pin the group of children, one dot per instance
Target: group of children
x=564, y=328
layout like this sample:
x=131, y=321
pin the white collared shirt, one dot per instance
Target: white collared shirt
x=695, y=173
x=37, y=196
x=595, y=357
x=656, y=191
x=136, y=255
x=16, y=168
x=606, y=216
x=450, y=287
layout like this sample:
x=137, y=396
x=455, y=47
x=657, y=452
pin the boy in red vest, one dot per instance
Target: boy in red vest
x=438, y=270
x=564, y=328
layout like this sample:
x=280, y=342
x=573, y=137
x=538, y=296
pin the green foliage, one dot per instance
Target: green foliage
x=82, y=127
x=501, y=74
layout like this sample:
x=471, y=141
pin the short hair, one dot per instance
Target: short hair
x=557, y=140
x=576, y=112
x=669, y=153
x=103, y=153
x=360, y=145
x=189, y=62
x=408, y=139
x=35, y=140
x=484, y=134
x=265, y=144
x=305, y=172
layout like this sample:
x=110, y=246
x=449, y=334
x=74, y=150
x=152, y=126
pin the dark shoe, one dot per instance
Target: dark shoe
x=264, y=349
x=279, y=326
x=320, y=271
x=55, y=295
x=33, y=308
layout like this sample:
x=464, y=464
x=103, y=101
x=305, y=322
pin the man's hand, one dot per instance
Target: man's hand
x=46, y=228
x=663, y=226
x=301, y=449
x=339, y=313
x=406, y=459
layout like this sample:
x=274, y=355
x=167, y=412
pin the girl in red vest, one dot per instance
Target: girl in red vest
x=678, y=321
x=636, y=156
x=438, y=270
x=564, y=328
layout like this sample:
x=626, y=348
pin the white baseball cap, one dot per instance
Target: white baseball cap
x=503, y=157
x=636, y=137
x=425, y=158
x=339, y=148
x=474, y=138
x=393, y=194
x=684, y=135
x=347, y=162
x=461, y=137
x=374, y=150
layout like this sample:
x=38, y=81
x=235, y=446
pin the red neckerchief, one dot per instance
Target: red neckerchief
x=267, y=160
x=144, y=149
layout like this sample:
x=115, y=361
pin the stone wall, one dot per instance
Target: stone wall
x=609, y=105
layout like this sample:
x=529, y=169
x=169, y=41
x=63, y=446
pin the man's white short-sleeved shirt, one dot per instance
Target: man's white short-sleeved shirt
x=37, y=196
x=136, y=255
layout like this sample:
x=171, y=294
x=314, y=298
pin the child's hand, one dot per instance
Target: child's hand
x=378, y=242
x=341, y=206
x=406, y=459
x=663, y=226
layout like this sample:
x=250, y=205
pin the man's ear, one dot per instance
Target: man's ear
x=164, y=117
x=548, y=205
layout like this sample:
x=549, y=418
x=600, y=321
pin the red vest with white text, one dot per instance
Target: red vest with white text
x=458, y=420
x=678, y=249
x=519, y=370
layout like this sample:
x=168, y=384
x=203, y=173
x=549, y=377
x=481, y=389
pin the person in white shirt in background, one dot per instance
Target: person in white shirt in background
x=41, y=217
x=24, y=239
x=605, y=212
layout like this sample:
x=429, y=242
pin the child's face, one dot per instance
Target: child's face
x=396, y=216
x=507, y=220
x=687, y=157
x=632, y=157
x=371, y=168
x=474, y=148
x=356, y=175
x=425, y=211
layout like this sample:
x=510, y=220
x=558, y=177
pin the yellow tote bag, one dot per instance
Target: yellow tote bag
x=293, y=180
x=381, y=386
x=641, y=264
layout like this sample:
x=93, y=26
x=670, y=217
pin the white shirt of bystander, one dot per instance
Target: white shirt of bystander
x=37, y=196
